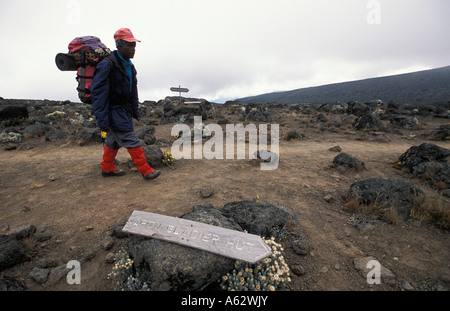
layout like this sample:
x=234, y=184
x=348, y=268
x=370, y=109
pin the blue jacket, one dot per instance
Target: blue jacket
x=114, y=104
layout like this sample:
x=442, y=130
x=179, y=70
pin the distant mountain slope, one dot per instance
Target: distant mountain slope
x=422, y=87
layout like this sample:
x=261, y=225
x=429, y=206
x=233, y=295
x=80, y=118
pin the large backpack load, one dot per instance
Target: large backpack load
x=84, y=55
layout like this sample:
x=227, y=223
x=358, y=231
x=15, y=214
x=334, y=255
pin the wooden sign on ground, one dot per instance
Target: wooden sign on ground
x=229, y=243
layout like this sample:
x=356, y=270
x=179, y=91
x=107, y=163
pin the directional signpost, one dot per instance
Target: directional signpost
x=180, y=90
x=225, y=242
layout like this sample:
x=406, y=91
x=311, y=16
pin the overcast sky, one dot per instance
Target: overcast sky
x=224, y=49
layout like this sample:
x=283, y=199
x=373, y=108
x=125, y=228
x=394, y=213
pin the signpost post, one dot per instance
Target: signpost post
x=225, y=242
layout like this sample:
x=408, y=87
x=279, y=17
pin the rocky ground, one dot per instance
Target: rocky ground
x=58, y=207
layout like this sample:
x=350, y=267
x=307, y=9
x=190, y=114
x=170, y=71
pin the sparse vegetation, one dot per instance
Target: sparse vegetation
x=425, y=209
x=376, y=209
x=432, y=210
x=28, y=242
x=269, y=274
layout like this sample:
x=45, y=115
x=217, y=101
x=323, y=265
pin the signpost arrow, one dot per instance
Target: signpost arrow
x=179, y=89
x=225, y=242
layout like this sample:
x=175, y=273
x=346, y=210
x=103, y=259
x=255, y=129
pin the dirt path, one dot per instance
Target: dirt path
x=59, y=188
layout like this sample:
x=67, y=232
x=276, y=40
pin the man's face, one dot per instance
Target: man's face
x=127, y=51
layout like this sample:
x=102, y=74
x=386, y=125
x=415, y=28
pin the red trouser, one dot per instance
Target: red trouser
x=137, y=155
x=108, y=160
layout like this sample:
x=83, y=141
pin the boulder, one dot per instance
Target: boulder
x=294, y=135
x=39, y=275
x=11, y=284
x=346, y=161
x=404, y=122
x=175, y=111
x=368, y=122
x=358, y=109
x=257, y=112
x=22, y=232
x=426, y=152
x=441, y=133
x=57, y=134
x=147, y=134
x=299, y=244
x=320, y=117
x=11, y=251
x=422, y=109
x=206, y=192
x=87, y=136
x=263, y=219
x=394, y=194
x=442, y=110
x=332, y=107
x=165, y=266
x=154, y=155
x=428, y=161
x=434, y=171
x=36, y=130
x=222, y=120
x=360, y=265
x=13, y=112
x=395, y=107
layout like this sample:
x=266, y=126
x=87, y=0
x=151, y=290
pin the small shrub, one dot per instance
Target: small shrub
x=354, y=205
x=122, y=275
x=391, y=216
x=432, y=210
x=167, y=159
x=351, y=204
x=28, y=242
x=268, y=274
